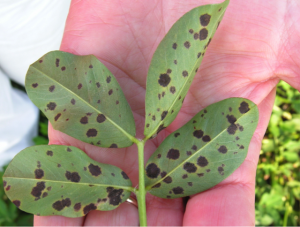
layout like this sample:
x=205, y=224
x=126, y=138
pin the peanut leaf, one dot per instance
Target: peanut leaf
x=204, y=151
x=63, y=180
x=81, y=98
x=175, y=63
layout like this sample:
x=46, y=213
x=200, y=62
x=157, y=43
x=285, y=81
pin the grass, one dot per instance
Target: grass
x=277, y=193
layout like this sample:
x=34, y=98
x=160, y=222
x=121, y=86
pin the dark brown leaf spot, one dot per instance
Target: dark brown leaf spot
x=51, y=88
x=161, y=127
x=91, y=132
x=114, y=195
x=232, y=129
x=194, y=147
x=185, y=73
x=57, y=116
x=206, y=138
x=188, y=153
x=208, y=170
x=244, y=107
x=221, y=170
x=198, y=133
x=98, y=84
x=17, y=203
x=177, y=134
x=237, y=138
x=90, y=66
x=110, y=91
x=153, y=118
x=164, y=114
x=190, y=184
x=152, y=170
x=169, y=71
x=113, y=145
x=157, y=185
x=202, y=161
x=222, y=149
x=51, y=105
x=99, y=101
x=73, y=177
x=73, y=101
x=241, y=128
x=205, y=19
x=124, y=175
x=168, y=180
x=58, y=165
x=196, y=36
x=7, y=188
x=38, y=164
x=108, y=79
x=200, y=174
x=37, y=190
x=184, y=176
x=57, y=62
x=230, y=109
x=174, y=46
x=242, y=147
x=178, y=190
x=79, y=86
x=113, y=174
x=203, y=34
x=191, y=31
x=39, y=173
x=190, y=167
x=34, y=85
x=50, y=153
x=159, y=156
x=117, y=102
x=173, y=154
x=164, y=79
x=101, y=118
x=199, y=55
x=45, y=194
x=147, y=125
x=163, y=94
x=175, y=62
x=40, y=61
x=84, y=120
x=63, y=68
x=77, y=207
x=94, y=170
x=231, y=119
x=89, y=207
x=163, y=174
x=172, y=89
x=187, y=44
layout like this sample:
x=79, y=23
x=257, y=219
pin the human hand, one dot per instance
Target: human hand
x=254, y=46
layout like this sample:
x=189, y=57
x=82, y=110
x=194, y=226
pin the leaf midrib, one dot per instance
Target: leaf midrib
x=75, y=183
x=130, y=137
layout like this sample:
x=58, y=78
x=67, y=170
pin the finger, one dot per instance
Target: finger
x=57, y=221
x=231, y=202
x=125, y=215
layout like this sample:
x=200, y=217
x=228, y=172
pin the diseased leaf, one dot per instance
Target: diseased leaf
x=81, y=98
x=63, y=180
x=203, y=152
x=175, y=63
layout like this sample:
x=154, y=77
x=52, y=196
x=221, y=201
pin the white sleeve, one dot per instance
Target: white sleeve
x=28, y=30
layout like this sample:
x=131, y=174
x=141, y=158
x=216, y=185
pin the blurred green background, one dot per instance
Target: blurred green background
x=277, y=193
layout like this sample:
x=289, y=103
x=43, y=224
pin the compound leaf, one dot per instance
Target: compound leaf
x=63, y=180
x=81, y=98
x=203, y=152
x=175, y=63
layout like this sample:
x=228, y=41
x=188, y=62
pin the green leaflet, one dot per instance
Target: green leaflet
x=81, y=98
x=63, y=180
x=175, y=63
x=203, y=152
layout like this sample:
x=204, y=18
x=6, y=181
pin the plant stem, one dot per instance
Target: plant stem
x=141, y=192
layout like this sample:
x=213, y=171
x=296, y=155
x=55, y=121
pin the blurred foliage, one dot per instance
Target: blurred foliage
x=277, y=192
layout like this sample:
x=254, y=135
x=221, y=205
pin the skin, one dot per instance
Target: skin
x=255, y=46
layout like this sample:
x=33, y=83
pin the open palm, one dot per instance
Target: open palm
x=255, y=46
